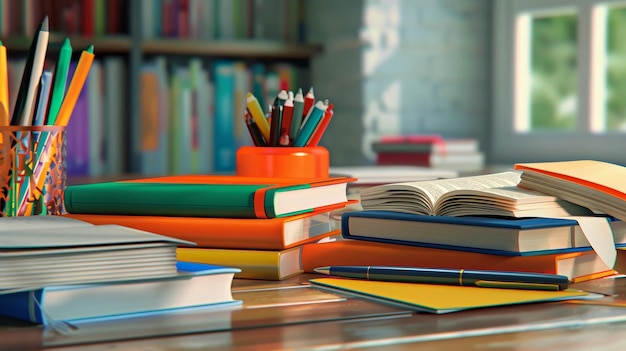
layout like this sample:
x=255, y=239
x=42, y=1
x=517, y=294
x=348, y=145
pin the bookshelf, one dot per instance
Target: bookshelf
x=134, y=43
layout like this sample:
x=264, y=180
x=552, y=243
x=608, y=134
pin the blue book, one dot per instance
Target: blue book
x=491, y=235
x=224, y=113
x=195, y=285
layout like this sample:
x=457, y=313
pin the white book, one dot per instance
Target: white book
x=42, y=250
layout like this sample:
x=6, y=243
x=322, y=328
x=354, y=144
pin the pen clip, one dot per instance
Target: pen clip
x=517, y=285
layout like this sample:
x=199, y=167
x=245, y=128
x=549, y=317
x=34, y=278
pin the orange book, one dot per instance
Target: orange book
x=229, y=233
x=596, y=185
x=577, y=266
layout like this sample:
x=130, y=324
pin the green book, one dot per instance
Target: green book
x=208, y=196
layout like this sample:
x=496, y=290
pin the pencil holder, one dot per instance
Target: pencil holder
x=283, y=162
x=32, y=170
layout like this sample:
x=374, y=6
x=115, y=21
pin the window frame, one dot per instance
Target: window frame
x=508, y=146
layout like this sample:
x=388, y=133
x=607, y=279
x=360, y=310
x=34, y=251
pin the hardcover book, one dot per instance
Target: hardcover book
x=577, y=266
x=254, y=264
x=494, y=194
x=193, y=286
x=494, y=235
x=208, y=196
x=243, y=233
x=594, y=184
x=45, y=250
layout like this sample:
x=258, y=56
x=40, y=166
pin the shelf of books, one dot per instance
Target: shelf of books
x=160, y=88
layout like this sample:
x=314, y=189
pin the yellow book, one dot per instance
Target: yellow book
x=435, y=298
x=254, y=264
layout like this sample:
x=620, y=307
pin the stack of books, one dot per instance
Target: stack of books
x=258, y=225
x=428, y=150
x=482, y=222
x=60, y=271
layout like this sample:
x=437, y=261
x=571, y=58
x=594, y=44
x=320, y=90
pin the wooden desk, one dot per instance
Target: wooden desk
x=292, y=315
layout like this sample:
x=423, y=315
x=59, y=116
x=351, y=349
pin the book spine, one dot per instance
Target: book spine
x=77, y=133
x=149, y=107
x=224, y=141
x=21, y=305
x=254, y=264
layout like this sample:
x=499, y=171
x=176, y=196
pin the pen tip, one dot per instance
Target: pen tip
x=322, y=270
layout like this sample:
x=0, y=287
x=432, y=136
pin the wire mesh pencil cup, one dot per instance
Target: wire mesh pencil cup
x=32, y=170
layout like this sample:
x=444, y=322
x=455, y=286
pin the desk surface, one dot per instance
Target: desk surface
x=292, y=315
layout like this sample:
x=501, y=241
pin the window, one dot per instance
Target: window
x=559, y=81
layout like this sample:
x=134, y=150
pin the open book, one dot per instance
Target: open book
x=494, y=194
x=594, y=184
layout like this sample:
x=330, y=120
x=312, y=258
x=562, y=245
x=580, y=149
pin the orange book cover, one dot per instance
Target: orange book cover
x=594, y=184
x=605, y=177
x=229, y=233
x=575, y=265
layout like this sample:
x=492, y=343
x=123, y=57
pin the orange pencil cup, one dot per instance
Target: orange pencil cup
x=283, y=162
x=32, y=170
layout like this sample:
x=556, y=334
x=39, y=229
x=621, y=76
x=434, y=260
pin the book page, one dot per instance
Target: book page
x=433, y=190
x=79, y=236
x=12, y=224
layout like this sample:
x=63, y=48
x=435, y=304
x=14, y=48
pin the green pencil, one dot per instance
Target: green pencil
x=60, y=81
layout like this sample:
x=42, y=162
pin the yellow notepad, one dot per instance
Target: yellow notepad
x=435, y=298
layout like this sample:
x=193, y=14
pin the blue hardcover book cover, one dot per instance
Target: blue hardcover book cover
x=490, y=235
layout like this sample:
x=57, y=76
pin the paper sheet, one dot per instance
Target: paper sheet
x=599, y=234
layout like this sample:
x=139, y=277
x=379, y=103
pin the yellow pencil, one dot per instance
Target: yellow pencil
x=76, y=85
x=259, y=117
x=4, y=86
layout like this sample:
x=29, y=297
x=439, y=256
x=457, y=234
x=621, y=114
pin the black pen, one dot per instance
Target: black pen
x=461, y=277
x=276, y=124
x=253, y=129
x=25, y=101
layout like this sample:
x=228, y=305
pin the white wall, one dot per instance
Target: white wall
x=401, y=66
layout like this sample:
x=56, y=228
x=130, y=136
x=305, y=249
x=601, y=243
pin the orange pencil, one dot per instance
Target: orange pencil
x=76, y=85
x=65, y=111
x=4, y=87
x=321, y=128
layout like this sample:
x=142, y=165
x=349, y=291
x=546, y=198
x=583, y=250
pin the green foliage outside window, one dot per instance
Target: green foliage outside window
x=553, y=73
x=616, y=70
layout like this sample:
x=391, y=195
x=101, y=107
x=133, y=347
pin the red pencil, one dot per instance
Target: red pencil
x=287, y=116
x=309, y=101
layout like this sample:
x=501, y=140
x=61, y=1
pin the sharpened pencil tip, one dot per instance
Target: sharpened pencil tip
x=90, y=49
